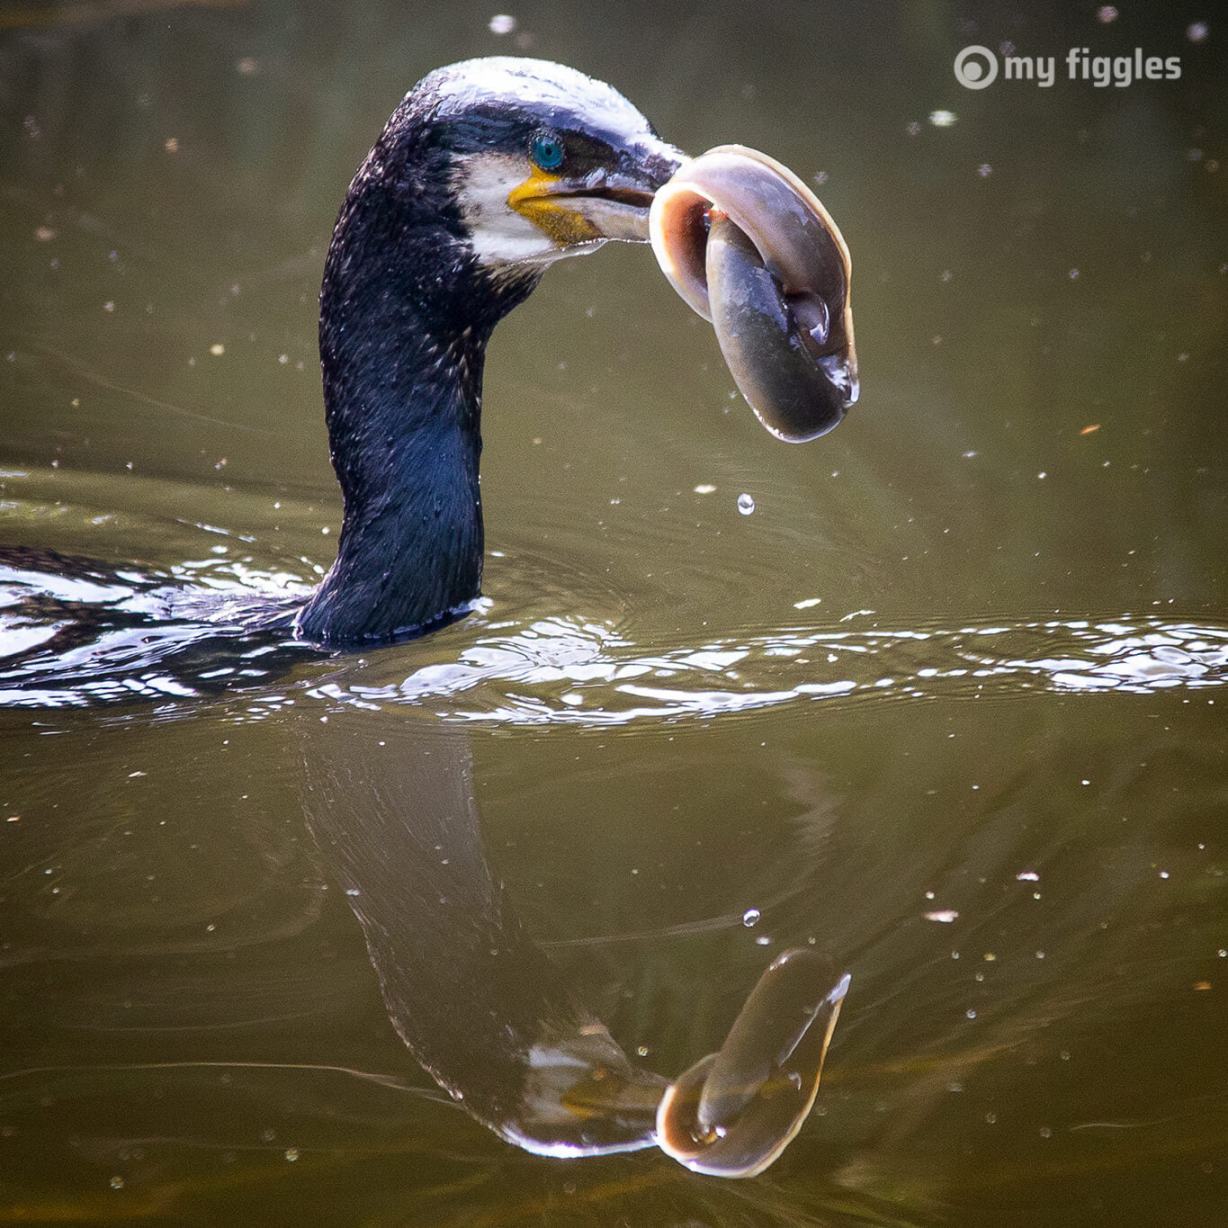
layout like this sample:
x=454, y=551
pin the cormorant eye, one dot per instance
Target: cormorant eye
x=548, y=152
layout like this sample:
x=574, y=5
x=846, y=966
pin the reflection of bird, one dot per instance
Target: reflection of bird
x=486, y=173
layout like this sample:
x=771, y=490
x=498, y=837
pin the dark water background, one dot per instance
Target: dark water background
x=966, y=656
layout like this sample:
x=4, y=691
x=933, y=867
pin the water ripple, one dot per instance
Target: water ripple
x=555, y=671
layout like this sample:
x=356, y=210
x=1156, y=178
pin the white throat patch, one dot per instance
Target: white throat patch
x=500, y=235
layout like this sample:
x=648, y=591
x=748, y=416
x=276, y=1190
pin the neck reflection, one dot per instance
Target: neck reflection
x=477, y=1003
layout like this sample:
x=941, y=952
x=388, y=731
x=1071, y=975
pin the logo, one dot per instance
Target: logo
x=976, y=67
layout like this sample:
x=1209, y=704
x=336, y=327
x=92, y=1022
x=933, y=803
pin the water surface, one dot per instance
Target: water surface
x=947, y=703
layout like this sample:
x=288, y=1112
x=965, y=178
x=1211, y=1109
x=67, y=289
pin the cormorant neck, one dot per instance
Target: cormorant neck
x=405, y=315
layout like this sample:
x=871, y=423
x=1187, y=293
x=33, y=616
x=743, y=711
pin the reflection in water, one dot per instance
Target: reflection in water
x=489, y=1016
x=480, y=1007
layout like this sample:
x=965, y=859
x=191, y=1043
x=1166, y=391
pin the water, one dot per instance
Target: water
x=950, y=703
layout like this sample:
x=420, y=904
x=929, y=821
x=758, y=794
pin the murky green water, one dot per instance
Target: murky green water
x=966, y=657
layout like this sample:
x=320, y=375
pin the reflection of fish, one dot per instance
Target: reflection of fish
x=493, y=1020
x=734, y=1112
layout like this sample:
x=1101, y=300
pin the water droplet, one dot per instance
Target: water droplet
x=746, y=504
x=991, y=1118
x=291, y=1154
x=750, y=917
x=117, y=1183
x=1045, y=1132
x=970, y=1013
x=502, y=23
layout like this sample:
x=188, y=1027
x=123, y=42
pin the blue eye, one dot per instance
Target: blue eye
x=548, y=152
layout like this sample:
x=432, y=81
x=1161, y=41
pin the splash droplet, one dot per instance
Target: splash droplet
x=751, y=917
x=746, y=504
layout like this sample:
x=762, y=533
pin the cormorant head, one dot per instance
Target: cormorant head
x=543, y=161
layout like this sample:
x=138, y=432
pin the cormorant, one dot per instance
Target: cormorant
x=487, y=172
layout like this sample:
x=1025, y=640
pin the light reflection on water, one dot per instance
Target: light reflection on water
x=561, y=670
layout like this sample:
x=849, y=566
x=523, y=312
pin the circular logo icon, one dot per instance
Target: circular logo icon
x=976, y=67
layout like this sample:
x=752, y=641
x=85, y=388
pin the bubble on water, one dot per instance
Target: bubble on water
x=763, y=940
x=751, y=917
x=1106, y=14
x=991, y=1118
x=970, y=1013
x=1027, y=876
x=1197, y=31
x=291, y=1154
x=502, y=23
x=117, y=1183
x=942, y=119
x=746, y=504
x=943, y=915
